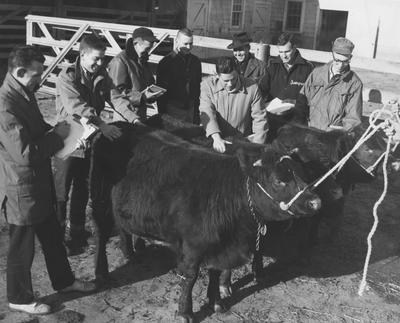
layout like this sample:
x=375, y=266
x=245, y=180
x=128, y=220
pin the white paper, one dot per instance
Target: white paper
x=277, y=106
x=79, y=132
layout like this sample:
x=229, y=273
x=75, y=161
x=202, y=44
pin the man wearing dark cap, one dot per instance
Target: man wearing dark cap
x=247, y=65
x=331, y=98
x=131, y=75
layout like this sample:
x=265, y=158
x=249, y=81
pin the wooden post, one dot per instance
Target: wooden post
x=263, y=53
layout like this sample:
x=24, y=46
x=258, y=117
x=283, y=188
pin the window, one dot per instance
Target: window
x=237, y=13
x=293, y=16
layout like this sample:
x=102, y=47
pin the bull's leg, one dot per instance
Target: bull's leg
x=225, y=285
x=213, y=294
x=126, y=245
x=104, y=225
x=257, y=265
x=189, y=267
x=139, y=244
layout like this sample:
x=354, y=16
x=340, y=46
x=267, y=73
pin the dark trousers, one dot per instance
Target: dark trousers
x=20, y=257
x=74, y=172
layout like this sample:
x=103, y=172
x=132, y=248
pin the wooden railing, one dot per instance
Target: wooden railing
x=13, y=25
x=42, y=30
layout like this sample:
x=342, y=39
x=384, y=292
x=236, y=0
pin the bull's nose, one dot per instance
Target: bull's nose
x=314, y=204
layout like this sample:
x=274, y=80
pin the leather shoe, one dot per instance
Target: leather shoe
x=36, y=308
x=79, y=286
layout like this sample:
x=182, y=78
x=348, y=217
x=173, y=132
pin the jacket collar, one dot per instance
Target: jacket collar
x=296, y=60
x=240, y=86
x=346, y=76
x=251, y=65
x=84, y=78
x=13, y=84
x=174, y=53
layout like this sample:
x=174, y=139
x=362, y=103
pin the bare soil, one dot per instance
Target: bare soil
x=324, y=289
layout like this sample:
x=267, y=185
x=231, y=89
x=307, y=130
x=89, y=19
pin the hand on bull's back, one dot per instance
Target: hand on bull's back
x=109, y=131
x=218, y=142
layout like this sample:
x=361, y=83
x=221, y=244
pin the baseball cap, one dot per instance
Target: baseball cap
x=342, y=46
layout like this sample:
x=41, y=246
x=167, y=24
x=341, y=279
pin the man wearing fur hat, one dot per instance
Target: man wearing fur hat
x=247, y=65
x=331, y=97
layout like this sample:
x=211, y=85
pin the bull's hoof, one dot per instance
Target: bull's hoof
x=102, y=279
x=225, y=291
x=140, y=245
x=259, y=276
x=185, y=318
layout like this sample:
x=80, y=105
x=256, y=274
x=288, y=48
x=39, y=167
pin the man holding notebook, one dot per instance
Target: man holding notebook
x=131, y=77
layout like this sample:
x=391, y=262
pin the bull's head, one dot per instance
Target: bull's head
x=275, y=181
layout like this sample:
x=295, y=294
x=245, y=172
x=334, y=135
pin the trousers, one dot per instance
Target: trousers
x=72, y=174
x=20, y=257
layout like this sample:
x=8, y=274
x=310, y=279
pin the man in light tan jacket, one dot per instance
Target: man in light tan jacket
x=231, y=104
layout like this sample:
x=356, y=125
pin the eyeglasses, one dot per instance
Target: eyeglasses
x=347, y=61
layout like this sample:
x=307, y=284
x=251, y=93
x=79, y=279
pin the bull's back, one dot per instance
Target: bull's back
x=173, y=189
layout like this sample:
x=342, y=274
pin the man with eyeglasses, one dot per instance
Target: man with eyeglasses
x=331, y=97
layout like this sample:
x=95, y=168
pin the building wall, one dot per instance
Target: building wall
x=220, y=18
x=277, y=14
x=311, y=8
x=362, y=28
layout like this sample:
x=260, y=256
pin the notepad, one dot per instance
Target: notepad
x=80, y=131
x=277, y=106
x=155, y=89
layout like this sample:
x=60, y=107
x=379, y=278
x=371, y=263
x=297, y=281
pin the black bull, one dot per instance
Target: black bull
x=195, y=199
x=319, y=151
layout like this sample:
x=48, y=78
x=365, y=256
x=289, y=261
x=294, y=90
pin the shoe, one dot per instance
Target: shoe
x=79, y=286
x=36, y=308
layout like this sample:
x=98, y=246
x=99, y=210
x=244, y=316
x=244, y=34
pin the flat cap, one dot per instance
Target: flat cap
x=342, y=46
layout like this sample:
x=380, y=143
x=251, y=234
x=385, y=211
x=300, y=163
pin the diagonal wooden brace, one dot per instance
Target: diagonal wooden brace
x=64, y=52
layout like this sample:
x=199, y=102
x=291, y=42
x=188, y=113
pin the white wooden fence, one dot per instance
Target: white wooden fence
x=42, y=30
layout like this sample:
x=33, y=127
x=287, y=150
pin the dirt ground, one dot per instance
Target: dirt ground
x=322, y=289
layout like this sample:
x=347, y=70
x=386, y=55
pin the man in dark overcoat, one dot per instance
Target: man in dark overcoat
x=27, y=196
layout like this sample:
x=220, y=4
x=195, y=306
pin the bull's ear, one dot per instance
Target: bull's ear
x=258, y=163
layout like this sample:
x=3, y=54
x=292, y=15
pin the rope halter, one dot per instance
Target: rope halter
x=262, y=228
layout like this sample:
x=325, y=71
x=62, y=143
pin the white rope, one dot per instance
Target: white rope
x=363, y=283
x=347, y=156
x=371, y=168
x=282, y=205
x=365, y=136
